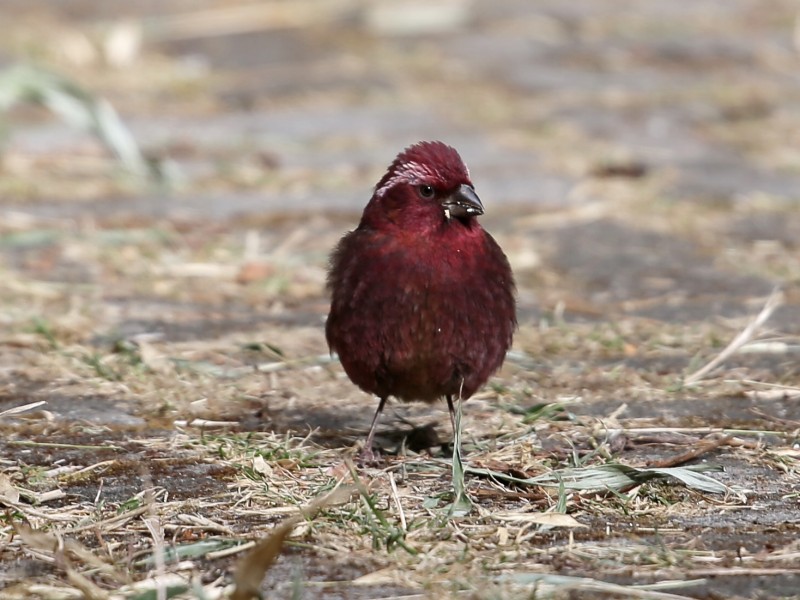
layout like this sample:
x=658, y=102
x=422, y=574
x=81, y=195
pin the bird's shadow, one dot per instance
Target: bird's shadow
x=414, y=427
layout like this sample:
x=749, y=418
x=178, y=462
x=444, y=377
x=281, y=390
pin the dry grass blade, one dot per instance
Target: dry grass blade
x=774, y=301
x=551, y=519
x=51, y=543
x=251, y=569
x=112, y=522
x=398, y=504
x=546, y=586
x=21, y=409
x=63, y=551
x=773, y=390
x=90, y=590
x=154, y=528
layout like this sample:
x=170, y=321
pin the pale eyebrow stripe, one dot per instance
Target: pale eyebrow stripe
x=410, y=172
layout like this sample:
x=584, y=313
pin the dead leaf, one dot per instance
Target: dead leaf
x=261, y=467
x=8, y=492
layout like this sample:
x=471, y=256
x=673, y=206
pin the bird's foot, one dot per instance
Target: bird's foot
x=368, y=458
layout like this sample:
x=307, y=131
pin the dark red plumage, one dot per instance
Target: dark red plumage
x=422, y=298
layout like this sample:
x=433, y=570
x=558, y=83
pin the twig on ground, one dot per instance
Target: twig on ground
x=702, y=448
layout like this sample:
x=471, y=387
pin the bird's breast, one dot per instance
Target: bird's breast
x=421, y=318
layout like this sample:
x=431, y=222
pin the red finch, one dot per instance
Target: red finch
x=422, y=298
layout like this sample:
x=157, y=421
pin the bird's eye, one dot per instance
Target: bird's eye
x=426, y=191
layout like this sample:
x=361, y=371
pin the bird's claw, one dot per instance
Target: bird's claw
x=368, y=458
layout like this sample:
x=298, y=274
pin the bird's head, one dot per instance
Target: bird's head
x=427, y=184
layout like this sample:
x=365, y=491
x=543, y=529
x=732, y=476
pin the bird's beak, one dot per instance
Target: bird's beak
x=464, y=202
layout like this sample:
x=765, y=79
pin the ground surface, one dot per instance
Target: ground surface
x=640, y=165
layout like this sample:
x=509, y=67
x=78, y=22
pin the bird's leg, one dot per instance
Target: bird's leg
x=452, y=410
x=367, y=455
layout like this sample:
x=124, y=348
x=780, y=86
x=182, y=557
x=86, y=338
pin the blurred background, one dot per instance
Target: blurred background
x=289, y=106
x=176, y=172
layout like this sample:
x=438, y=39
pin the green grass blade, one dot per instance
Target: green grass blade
x=462, y=505
x=78, y=108
x=615, y=477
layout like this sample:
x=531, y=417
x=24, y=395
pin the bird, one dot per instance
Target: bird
x=423, y=299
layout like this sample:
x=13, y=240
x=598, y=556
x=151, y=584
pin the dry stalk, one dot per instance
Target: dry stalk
x=774, y=301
